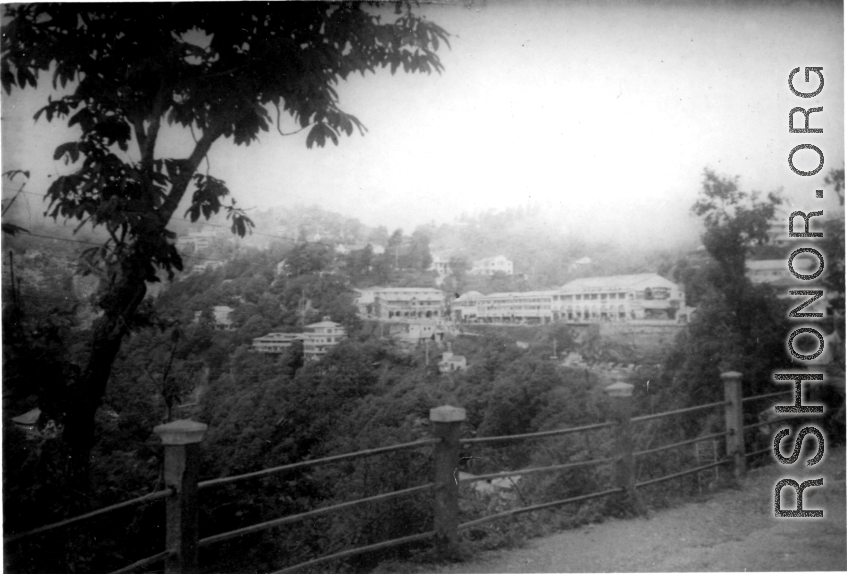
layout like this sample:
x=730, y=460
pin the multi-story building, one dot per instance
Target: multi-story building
x=408, y=303
x=645, y=296
x=320, y=337
x=364, y=301
x=440, y=264
x=466, y=307
x=317, y=339
x=275, y=343
x=618, y=298
x=530, y=307
x=492, y=265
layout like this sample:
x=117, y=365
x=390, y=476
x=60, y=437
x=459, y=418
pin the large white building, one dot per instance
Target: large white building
x=530, y=307
x=645, y=296
x=618, y=298
x=466, y=307
x=402, y=303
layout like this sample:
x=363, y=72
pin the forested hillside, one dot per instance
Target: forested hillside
x=269, y=410
x=266, y=410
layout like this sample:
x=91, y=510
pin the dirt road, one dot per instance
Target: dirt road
x=732, y=530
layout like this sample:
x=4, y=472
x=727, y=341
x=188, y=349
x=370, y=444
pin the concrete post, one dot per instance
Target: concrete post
x=447, y=425
x=620, y=396
x=181, y=440
x=734, y=422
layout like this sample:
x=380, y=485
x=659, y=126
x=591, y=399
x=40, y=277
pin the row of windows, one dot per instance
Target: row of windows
x=495, y=307
x=657, y=293
x=587, y=296
x=407, y=303
x=495, y=303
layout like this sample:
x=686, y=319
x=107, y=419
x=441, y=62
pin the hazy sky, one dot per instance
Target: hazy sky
x=609, y=111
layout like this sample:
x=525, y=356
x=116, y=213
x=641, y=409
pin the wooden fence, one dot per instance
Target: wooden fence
x=182, y=439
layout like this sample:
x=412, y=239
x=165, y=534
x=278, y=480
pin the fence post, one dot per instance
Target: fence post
x=620, y=394
x=447, y=425
x=181, y=440
x=734, y=422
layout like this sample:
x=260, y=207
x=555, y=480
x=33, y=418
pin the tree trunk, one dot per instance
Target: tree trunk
x=119, y=303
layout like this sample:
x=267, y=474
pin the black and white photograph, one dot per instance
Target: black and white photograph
x=434, y=287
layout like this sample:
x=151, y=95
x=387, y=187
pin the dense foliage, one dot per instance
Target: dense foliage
x=122, y=70
x=269, y=410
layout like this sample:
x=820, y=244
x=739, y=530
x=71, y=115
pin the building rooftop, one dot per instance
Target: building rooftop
x=617, y=282
x=469, y=296
x=519, y=294
x=324, y=323
x=420, y=296
x=405, y=289
x=280, y=337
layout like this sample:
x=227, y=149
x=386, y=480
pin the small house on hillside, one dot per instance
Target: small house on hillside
x=222, y=322
x=450, y=363
x=492, y=265
x=580, y=263
x=413, y=333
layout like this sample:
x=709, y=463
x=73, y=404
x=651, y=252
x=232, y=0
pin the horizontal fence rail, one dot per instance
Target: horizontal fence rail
x=144, y=562
x=553, y=468
x=776, y=422
x=315, y=462
x=768, y=396
x=478, y=440
x=683, y=473
x=681, y=443
x=318, y=511
x=135, y=501
x=536, y=507
x=678, y=412
x=760, y=451
x=181, y=442
x=356, y=551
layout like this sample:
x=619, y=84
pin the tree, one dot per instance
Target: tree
x=735, y=221
x=418, y=255
x=738, y=325
x=217, y=70
x=833, y=244
x=459, y=267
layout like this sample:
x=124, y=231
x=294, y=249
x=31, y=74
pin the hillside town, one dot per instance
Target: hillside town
x=369, y=287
